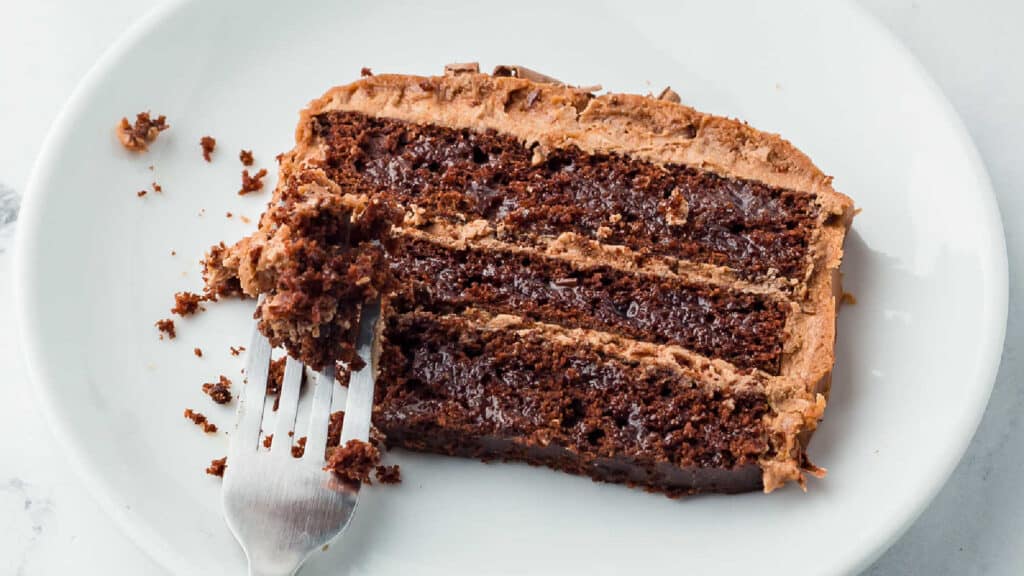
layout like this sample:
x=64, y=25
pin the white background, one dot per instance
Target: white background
x=50, y=525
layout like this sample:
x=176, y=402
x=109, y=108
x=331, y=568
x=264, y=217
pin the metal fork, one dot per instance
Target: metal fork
x=281, y=508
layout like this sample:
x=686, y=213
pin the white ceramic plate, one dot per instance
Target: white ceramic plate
x=916, y=356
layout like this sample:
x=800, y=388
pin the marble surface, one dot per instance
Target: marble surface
x=975, y=526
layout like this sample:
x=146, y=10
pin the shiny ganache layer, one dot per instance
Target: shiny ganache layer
x=662, y=210
x=745, y=329
x=452, y=386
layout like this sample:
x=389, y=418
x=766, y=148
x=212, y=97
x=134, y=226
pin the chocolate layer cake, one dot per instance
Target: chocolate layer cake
x=617, y=285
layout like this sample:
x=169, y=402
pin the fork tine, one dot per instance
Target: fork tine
x=252, y=396
x=359, y=403
x=320, y=415
x=288, y=405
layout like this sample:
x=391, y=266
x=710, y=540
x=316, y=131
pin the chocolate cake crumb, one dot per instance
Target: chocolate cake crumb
x=276, y=376
x=166, y=327
x=157, y=188
x=137, y=137
x=342, y=372
x=388, y=474
x=354, y=277
x=377, y=438
x=274, y=379
x=220, y=391
x=228, y=214
x=216, y=282
x=299, y=448
x=246, y=157
x=187, y=303
x=174, y=252
x=216, y=467
x=364, y=72
x=847, y=298
x=334, y=428
x=198, y=352
x=140, y=193
x=354, y=461
x=236, y=350
x=199, y=419
x=268, y=441
x=252, y=183
x=208, y=144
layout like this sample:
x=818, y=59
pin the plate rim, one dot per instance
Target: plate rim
x=29, y=234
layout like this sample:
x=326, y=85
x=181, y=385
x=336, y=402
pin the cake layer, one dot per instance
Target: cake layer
x=451, y=385
x=745, y=329
x=666, y=210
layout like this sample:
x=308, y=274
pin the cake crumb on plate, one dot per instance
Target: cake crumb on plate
x=217, y=466
x=252, y=183
x=137, y=137
x=208, y=144
x=220, y=391
x=388, y=474
x=166, y=327
x=354, y=461
x=187, y=303
x=199, y=419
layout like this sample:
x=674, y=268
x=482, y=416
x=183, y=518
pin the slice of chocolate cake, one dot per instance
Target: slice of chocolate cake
x=617, y=285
